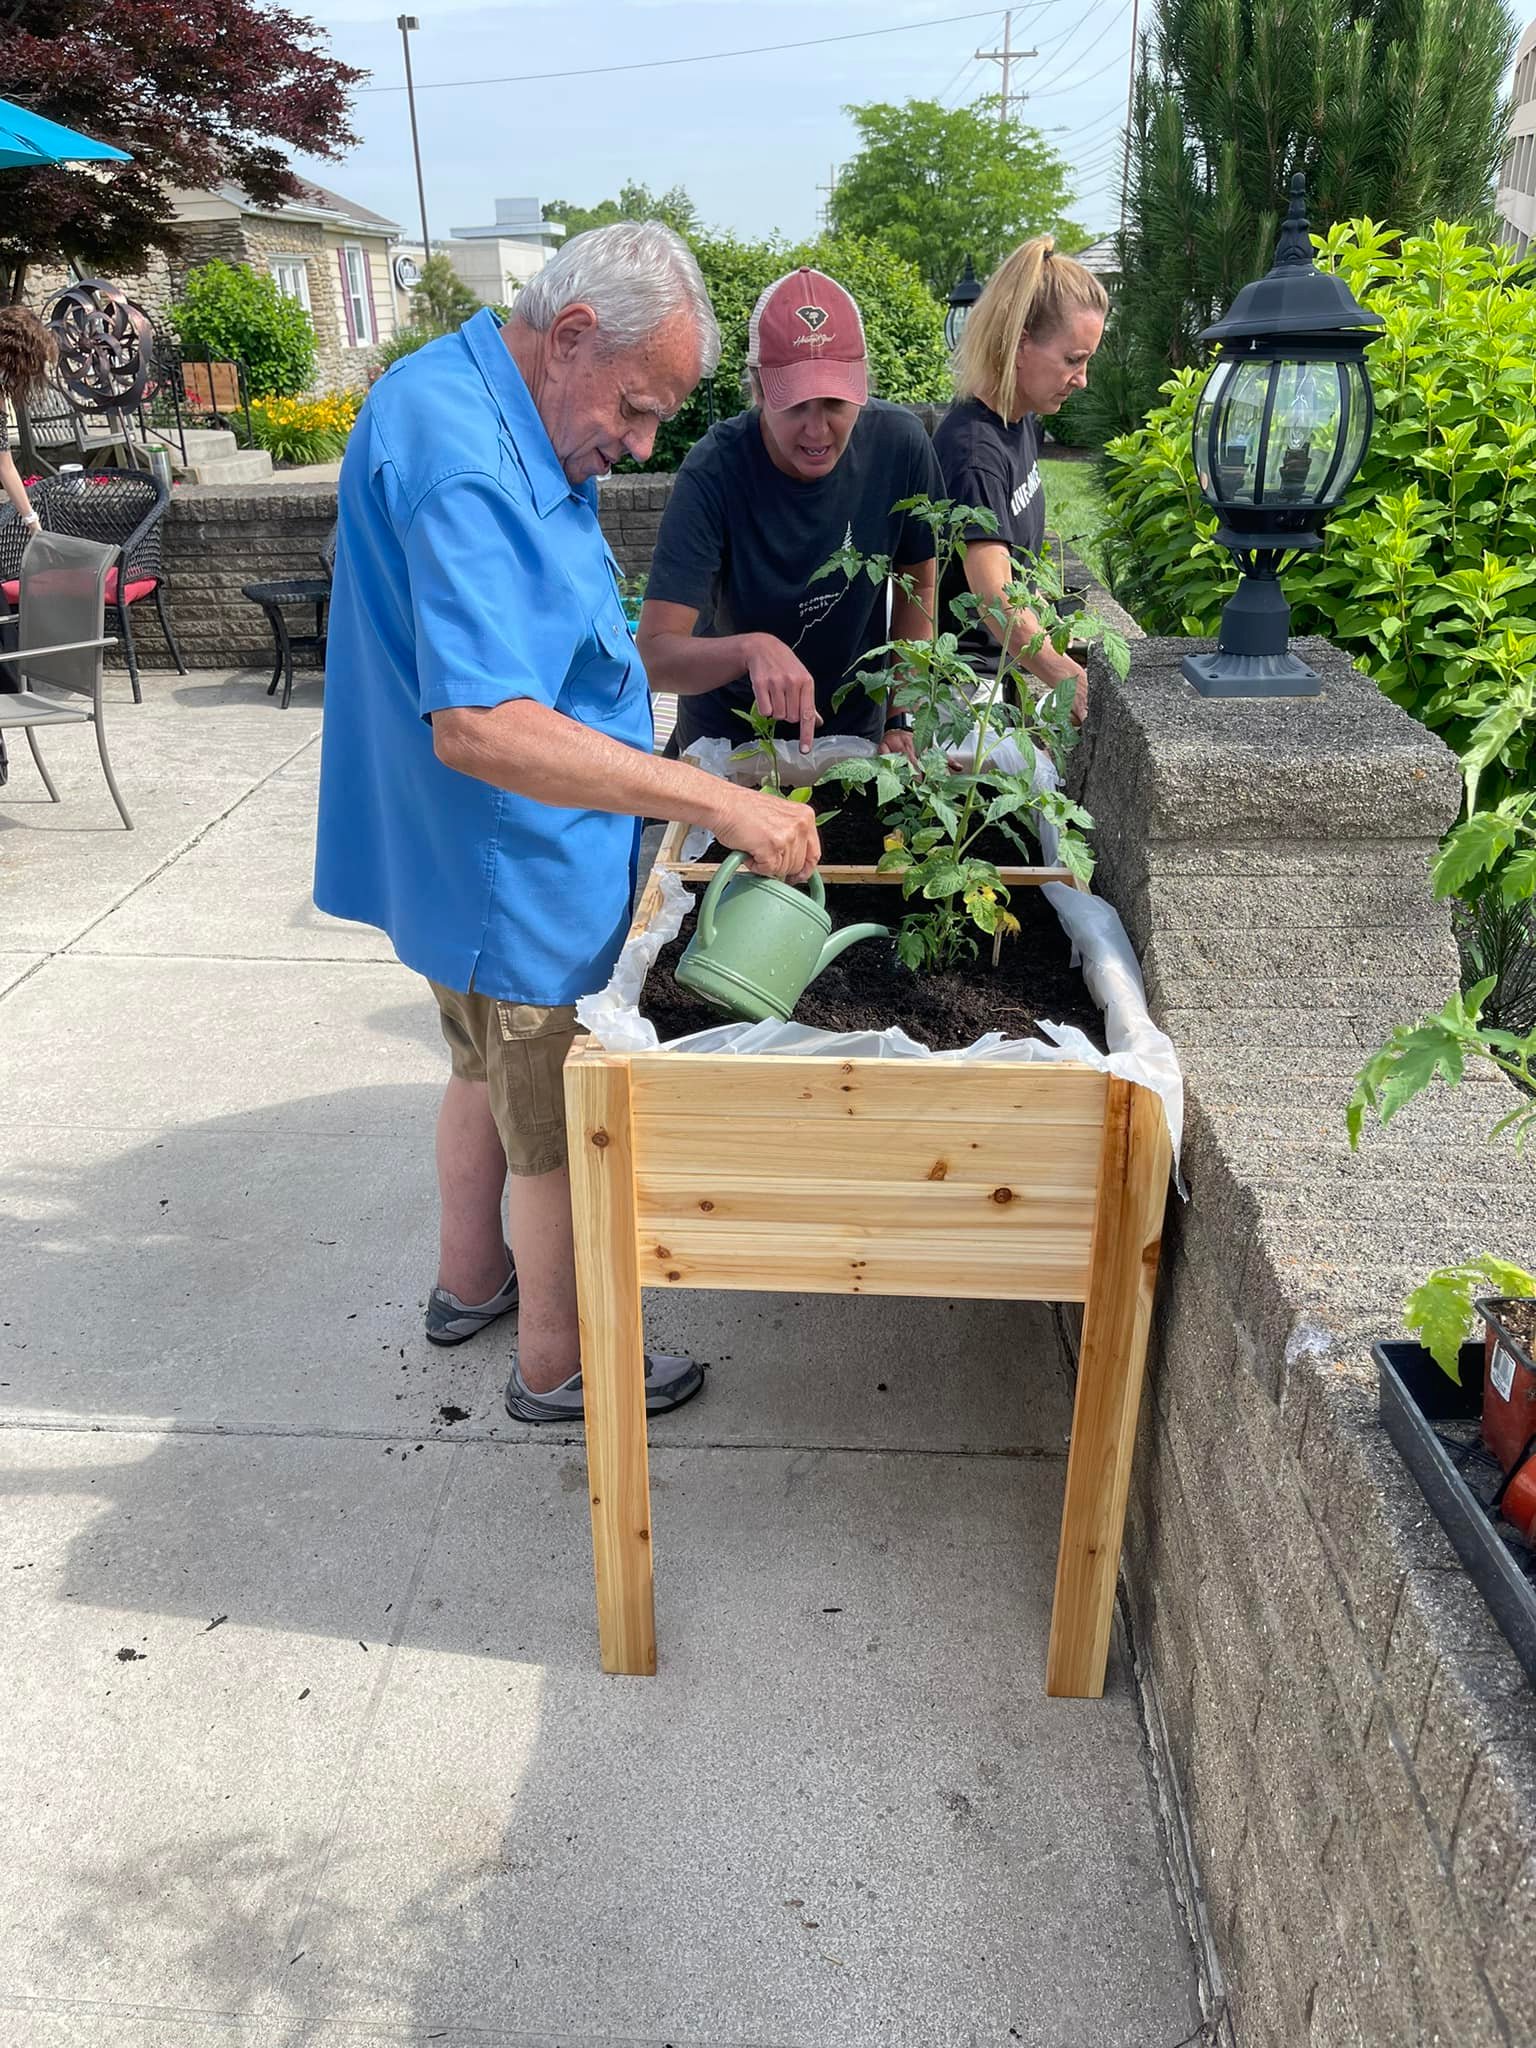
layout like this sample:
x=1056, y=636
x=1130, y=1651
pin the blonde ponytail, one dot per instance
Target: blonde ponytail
x=1034, y=291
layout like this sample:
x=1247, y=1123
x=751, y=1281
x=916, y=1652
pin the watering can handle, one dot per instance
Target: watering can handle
x=716, y=889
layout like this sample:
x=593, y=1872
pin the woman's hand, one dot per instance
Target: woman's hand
x=896, y=739
x=783, y=686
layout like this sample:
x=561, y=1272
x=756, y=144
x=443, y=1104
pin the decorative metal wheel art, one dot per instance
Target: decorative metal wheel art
x=106, y=347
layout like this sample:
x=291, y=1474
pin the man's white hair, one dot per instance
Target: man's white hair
x=635, y=276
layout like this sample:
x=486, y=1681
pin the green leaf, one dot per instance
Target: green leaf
x=1440, y=1310
x=942, y=878
x=1471, y=849
x=910, y=949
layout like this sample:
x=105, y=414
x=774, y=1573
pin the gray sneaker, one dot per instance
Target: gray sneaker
x=669, y=1382
x=450, y=1321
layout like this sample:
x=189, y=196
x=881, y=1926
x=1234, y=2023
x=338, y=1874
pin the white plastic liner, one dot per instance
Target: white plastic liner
x=1138, y=1050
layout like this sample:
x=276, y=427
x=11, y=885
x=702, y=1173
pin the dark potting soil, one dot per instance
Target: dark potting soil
x=868, y=989
x=855, y=838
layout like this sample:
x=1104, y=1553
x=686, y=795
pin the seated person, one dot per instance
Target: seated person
x=1024, y=351
x=732, y=619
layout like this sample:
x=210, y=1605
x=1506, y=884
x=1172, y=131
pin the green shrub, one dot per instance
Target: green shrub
x=403, y=342
x=232, y=313
x=903, y=325
x=1427, y=576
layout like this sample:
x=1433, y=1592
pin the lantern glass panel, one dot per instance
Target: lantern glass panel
x=1356, y=378
x=1228, y=426
x=1302, y=463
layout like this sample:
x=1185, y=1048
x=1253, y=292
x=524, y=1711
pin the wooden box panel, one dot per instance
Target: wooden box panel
x=866, y=1176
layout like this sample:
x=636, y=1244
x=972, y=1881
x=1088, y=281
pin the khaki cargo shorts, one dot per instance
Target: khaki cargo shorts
x=518, y=1050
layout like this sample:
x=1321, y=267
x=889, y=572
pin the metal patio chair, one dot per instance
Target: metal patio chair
x=123, y=509
x=60, y=639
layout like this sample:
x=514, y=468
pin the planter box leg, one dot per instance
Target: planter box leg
x=1117, y=1315
x=612, y=1359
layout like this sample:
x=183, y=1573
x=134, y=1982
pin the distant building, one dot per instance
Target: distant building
x=1102, y=258
x=1516, y=199
x=321, y=249
x=495, y=261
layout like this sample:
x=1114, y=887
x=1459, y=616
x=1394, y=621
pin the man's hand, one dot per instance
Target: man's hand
x=778, y=838
x=1079, y=695
x=783, y=686
x=896, y=739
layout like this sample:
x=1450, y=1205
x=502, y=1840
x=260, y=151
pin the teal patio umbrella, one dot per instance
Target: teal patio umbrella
x=27, y=141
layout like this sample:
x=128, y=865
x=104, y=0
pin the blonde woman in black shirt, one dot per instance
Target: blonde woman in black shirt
x=1024, y=351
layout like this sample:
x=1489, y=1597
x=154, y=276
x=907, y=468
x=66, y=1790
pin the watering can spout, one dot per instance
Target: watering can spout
x=848, y=936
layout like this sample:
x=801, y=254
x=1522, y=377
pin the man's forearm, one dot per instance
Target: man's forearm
x=689, y=663
x=539, y=753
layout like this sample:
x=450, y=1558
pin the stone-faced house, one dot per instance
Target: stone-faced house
x=331, y=255
x=328, y=253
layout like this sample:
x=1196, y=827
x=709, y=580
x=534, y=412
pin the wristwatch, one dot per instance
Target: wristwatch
x=899, y=721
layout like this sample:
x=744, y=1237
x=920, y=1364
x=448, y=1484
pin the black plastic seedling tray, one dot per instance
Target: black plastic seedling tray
x=1436, y=1426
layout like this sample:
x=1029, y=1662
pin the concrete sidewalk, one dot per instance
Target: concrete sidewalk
x=305, y=1739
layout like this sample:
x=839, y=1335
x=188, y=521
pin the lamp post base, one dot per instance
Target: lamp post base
x=1250, y=675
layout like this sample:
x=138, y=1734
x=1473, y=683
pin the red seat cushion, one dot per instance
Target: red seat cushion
x=140, y=586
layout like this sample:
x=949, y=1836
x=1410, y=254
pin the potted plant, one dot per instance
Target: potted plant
x=1421, y=1416
x=1443, y=1307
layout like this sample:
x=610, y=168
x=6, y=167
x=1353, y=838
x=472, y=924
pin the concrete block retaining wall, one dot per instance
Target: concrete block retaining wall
x=1350, y=1739
x=217, y=540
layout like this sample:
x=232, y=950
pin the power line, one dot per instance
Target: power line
x=964, y=65
x=1045, y=84
x=704, y=57
x=1093, y=135
x=1067, y=34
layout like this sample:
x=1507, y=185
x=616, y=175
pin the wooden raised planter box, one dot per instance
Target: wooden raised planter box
x=995, y=1181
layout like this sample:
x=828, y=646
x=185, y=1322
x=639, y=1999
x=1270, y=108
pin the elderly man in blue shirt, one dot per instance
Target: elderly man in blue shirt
x=488, y=751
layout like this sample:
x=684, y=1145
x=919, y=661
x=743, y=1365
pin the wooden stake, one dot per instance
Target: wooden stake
x=1122, y=1278
x=612, y=1356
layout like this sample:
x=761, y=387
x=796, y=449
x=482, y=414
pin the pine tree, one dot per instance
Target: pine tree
x=1391, y=108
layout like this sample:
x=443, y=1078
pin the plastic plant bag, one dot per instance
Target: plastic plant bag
x=1138, y=1050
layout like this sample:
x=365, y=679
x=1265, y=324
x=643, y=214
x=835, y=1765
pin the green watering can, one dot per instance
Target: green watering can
x=759, y=944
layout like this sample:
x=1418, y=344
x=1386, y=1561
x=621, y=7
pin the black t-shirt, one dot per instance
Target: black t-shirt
x=990, y=464
x=740, y=542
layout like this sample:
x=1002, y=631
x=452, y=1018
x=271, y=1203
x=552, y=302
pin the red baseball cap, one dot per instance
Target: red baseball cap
x=806, y=340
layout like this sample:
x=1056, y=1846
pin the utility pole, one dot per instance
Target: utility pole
x=405, y=23
x=1007, y=56
x=1130, y=112
x=830, y=188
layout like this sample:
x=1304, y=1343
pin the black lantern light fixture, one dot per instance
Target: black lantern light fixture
x=963, y=295
x=1280, y=432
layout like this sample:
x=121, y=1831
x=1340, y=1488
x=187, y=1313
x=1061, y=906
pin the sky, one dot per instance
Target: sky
x=751, y=137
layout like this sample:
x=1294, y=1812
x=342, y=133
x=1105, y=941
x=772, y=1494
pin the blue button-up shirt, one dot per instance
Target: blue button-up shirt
x=469, y=571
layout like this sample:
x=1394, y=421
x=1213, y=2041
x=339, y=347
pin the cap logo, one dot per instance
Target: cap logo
x=815, y=317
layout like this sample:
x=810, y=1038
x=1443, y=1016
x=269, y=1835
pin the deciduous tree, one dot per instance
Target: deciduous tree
x=635, y=202
x=197, y=91
x=938, y=184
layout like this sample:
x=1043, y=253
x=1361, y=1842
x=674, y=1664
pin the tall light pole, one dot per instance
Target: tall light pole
x=405, y=23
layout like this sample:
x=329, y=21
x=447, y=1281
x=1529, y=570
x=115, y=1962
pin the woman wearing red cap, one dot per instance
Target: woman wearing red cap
x=1024, y=351
x=732, y=619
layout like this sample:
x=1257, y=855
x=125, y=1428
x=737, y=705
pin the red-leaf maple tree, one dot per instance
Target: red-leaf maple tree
x=199, y=92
